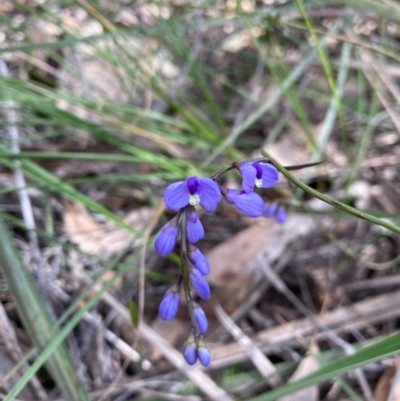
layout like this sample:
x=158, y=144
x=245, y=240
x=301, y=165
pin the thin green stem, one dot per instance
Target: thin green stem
x=184, y=268
x=330, y=201
x=184, y=252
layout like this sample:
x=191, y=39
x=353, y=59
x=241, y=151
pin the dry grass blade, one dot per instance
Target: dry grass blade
x=356, y=316
x=11, y=342
x=381, y=94
x=263, y=365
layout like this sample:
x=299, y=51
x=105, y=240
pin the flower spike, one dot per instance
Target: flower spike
x=183, y=196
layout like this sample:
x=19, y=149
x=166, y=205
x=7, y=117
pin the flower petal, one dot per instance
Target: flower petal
x=250, y=204
x=200, y=284
x=249, y=177
x=192, y=216
x=210, y=194
x=195, y=231
x=270, y=175
x=176, y=195
x=231, y=195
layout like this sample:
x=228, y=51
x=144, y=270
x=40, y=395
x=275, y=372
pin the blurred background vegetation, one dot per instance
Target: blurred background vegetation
x=104, y=103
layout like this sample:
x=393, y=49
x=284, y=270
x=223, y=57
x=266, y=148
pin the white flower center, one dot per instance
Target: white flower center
x=258, y=182
x=194, y=199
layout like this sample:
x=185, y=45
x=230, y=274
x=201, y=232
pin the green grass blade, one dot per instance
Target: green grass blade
x=63, y=333
x=253, y=117
x=37, y=320
x=43, y=177
x=332, y=112
x=372, y=353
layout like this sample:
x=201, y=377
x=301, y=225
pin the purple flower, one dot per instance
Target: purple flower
x=249, y=203
x=169, y=305
x=203, y=354
x=281, y=215
x=195, y=230
x=190, y=351
x=199, y=261
x=200, y=284
x=262, y=175
x=166, y=240
x=200, y=318
x=193, y=191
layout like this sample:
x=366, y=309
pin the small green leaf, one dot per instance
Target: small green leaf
x=134, y=312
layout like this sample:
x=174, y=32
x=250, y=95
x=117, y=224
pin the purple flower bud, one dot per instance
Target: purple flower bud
x=281, y=215
x=190, y=351
x=169, y=305
x=195, y=230
x=203, y=354
x=249, y=204
x=200, y=318
x=270, y=210
x=199, y=261
x=200, y=284
x=166, y=240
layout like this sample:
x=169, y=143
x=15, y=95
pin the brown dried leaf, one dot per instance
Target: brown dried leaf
x=102, y=239
x=384, y=385
x=235, y=263
x=229, y=262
